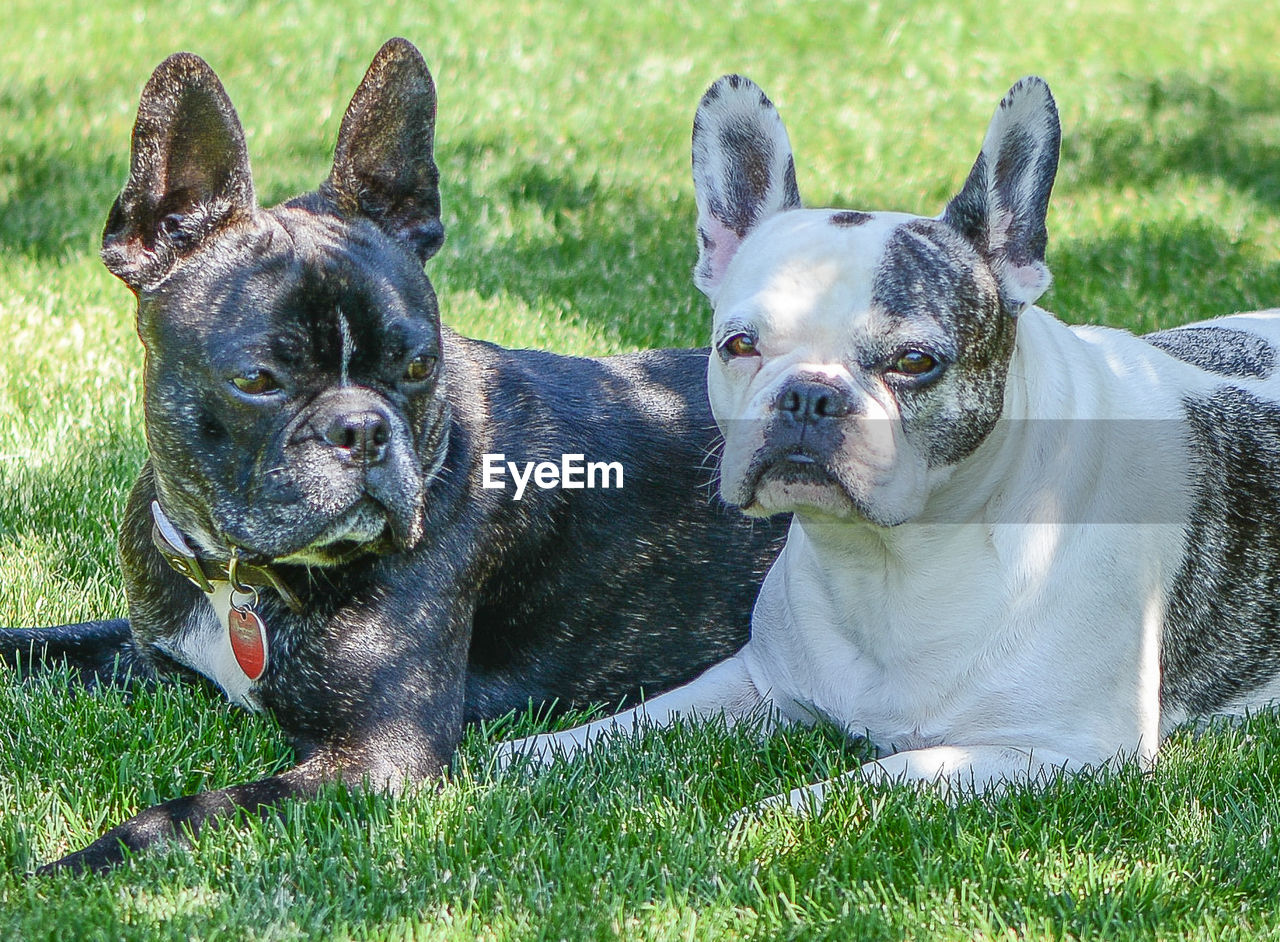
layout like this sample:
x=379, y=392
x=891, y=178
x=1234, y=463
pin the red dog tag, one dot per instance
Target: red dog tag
x=248, y=641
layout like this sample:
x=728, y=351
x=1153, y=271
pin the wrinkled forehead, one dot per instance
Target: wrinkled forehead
x=804, y=270
x=307, y=287
x=327, y=263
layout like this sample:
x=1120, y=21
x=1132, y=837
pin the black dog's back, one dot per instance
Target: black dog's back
x=615, y=590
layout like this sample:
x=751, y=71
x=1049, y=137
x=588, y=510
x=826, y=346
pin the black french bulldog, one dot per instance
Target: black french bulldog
x=312, y=531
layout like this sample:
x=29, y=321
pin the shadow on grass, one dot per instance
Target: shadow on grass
x=608, y=253
x=55, y=205
x=1145, y=277
x=1227, y=128
x=54, y=190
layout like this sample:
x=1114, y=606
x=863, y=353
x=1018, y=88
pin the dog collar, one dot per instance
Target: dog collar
x=203, y=573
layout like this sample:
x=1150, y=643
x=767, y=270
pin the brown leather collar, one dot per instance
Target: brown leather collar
x=204, y=572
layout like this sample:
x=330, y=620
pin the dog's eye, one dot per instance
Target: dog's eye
x=914, y=363
x=420, y=368
x=255, y=382
x=739, y=345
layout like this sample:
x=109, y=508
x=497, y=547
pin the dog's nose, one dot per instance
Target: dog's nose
x=809, y=400
x=363, y=435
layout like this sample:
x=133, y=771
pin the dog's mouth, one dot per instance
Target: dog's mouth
x=365, y=527
x=316, y=514
x=331, y=554
x=796, y=466
x=789, y=475
x=360, y=530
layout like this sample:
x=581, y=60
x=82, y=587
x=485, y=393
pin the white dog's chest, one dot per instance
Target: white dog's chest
x=1003, y=654
x=894, y=706
x=809, y=650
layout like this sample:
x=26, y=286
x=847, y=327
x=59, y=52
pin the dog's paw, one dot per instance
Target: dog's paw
x=801, y=802
x=536, y=751
x=541, y=750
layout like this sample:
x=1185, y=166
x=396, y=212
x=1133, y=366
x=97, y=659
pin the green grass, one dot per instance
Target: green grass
x=563, y=143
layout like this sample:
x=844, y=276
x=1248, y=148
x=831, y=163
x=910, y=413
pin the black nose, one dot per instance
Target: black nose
x=808, y=400
x=363, y=435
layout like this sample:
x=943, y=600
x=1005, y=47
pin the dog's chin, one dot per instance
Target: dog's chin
x=794, y=483
x=805, y=485
x=363, y=529
x=336, y=552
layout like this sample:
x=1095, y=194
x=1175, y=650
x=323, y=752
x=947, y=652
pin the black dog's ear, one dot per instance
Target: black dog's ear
x=188, y=173
x=383, y=166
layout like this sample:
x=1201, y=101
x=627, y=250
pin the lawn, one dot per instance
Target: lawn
x=563, y=145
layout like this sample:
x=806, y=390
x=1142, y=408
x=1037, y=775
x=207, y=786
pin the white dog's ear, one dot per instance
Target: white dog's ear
x=1003, y=204
x=743, y=172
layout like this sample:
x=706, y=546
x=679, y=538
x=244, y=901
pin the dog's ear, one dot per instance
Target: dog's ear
x=188, y=173
x=1003, y=204
x=743, y=172
x=383, y=166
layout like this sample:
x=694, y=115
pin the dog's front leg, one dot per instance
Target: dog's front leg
x=372, y=698
x=725, y=689
x=385, y=748
x=179, y=818
x=956, y=771
x=366, y=764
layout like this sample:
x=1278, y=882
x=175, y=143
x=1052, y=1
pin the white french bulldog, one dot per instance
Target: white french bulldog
x=1018, y=547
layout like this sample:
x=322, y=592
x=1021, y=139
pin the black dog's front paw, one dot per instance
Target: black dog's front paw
x=168, y=822
x=104, y=854
x=180, y=819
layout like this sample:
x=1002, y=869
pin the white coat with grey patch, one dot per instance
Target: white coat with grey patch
x=1018, y=547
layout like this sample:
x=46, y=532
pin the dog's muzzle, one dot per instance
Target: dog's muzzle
x=360, y=435
x=803, y=437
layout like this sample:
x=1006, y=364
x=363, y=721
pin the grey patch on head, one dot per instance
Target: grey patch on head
x=930, y=273
x=348, y=346
x=1222, y=628
x=1226, y=351
x=848, y=218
